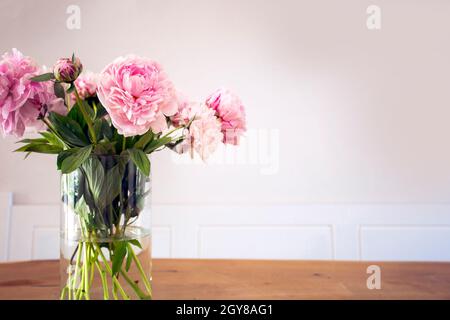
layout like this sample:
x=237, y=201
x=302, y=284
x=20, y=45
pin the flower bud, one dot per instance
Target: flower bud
x=66, y=70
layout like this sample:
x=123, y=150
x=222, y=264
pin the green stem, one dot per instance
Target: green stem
x=122, y=292
x=69, y=286
x=63, y=293
x=127, y=217
x=108, y=269
x=147, y=284
x=85, y=116
x=49, y=126
x=77, y=263
x=114, y=291
x=124, y=143
x=171, y=131
x=94, y=257
x=67, y=101
x=91, y=281
x=81, y=286
x=135, y=287
x=86, y=270
x=104, y=281
x=94, y=106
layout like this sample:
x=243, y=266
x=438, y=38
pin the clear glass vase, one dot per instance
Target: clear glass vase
x=105, y=231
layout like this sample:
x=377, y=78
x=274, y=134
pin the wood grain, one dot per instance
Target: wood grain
x=252, y=279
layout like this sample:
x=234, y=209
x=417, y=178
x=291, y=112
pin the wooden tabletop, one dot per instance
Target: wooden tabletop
x=252, y=279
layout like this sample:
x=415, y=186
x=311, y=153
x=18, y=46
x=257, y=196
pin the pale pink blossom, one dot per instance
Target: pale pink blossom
x=22, y=101
x=204, y=132
x=184, y=110
x=230, y=110
x=137, y=94
x=86, y=84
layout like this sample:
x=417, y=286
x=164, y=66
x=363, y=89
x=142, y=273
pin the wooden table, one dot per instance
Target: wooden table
x=252, y=279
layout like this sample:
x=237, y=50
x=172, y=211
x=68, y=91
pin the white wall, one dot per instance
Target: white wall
x=317, y=232
x=338, y=114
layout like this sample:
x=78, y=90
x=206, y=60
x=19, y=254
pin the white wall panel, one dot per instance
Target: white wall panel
x=5, y=214
x=161, y=241
x=342, y=232
x=409, y=243
x=45, y=243
x=266, y=242
x=34, y=233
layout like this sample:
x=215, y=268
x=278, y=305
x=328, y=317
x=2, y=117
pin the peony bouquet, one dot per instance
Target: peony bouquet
x=102, y=127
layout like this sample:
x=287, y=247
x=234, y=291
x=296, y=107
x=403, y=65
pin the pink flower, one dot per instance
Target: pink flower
x=184, y=110
x=204, y=133
x=137, y=95
x=22, y=100
x=230, y=110
x=86, y=84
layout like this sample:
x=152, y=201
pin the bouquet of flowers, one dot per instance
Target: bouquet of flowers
x=102, y=127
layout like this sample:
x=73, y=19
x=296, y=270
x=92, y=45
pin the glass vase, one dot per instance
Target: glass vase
x=105, y=231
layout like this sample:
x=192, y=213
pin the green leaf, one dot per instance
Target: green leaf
x=107, y=130
x=104, y=147
x=82, y=209
x=75, y=114
x=113, y=183
x=88, y=109
x=157, y=143
x=86, y=193
x=120, y=250
x=129, y=260
x=69, y=130
x=136, y=243
x=37, y=140
x=144, y=140
x=73, y=158
x=63, y=155
x=52, y=139
x=59, y=90
x=43, y=77
x=98, y=125
x=40, y=148
x=141, y=160
x=140, y=200
x=95, y=174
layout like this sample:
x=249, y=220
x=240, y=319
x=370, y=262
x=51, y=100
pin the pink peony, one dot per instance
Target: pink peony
x=22, y=100
x=184, y=110
x=204, y=133
x=137, y=95
x=230, y=110
x=86, y=85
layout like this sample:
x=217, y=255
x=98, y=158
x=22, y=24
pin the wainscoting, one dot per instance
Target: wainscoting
x=314, y=232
